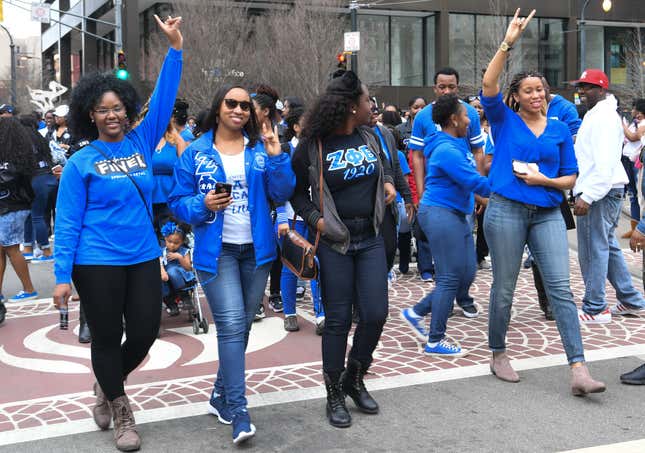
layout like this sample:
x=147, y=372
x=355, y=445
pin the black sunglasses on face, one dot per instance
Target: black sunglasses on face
x=232, y=104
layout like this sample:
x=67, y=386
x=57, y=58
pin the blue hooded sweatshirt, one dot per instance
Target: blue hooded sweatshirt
x=197, y=171
x=100, y=217
x=561, y=109
x=451, y=177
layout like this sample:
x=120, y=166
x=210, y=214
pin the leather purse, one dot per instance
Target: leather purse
x=298, y=254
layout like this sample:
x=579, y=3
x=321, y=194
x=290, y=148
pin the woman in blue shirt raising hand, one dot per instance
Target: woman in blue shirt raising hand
x=534, y=162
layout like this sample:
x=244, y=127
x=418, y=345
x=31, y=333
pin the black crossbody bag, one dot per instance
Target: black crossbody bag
x=143, y=199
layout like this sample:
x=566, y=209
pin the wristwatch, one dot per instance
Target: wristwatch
x=504, y=47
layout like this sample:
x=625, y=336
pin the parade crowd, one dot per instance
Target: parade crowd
x=149, y=203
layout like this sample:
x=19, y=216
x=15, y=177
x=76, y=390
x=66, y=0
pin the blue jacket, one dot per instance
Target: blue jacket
x=197, y=171
x=451, y=177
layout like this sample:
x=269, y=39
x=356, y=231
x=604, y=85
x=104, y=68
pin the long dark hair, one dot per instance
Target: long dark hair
x=295, y=113
x=332, y=108
x=40, y=145
x=514, y=87
x=17, y=147
x=251, y=128
x=266, y=97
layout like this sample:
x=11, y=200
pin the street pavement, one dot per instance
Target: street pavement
x=427, y=404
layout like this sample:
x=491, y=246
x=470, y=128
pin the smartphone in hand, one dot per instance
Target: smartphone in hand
x=222, y=187
x=522, y=168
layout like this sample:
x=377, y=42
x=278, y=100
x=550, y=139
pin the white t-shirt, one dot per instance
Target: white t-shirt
x=237, y=218
x=633, y=149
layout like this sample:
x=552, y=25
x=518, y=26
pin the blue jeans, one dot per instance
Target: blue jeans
x=178, y=279
x=601, y=258
x=289, y=281
x=424, y=257
x=509, y=226
x=450, y=236
x=43, y=186
x=234, y=295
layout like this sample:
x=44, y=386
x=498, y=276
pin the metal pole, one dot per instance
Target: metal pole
x=118, y=29
x=83, y=36
x=353, y=8
x=12, y=48
x=583, y=41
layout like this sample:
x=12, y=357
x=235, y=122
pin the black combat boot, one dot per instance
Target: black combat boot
x=354, y=387
x=336, y=410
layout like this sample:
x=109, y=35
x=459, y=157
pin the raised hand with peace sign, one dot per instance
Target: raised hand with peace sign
x=170, y=28
x=516, y=27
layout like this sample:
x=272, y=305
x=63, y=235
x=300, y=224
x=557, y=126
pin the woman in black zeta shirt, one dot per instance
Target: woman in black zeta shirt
x=356, y=187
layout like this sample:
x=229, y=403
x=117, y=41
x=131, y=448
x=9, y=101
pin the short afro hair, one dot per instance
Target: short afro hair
x=87, y=94
x=444, y=107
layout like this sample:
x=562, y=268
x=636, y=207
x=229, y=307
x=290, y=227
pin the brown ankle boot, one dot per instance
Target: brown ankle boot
x=582, y=383
x=101, y=410
x=501, y=367
x=125, y=430
x=628, y=234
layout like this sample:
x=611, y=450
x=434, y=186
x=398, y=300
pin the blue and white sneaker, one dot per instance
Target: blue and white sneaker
x=427, y=277
x=1, y=299
x=416, y=323
x=391, y=277
x=28, y=256
x=217, y=407
x=22, y=296
x=43, y=259
x=444, y=349
x=243, y=429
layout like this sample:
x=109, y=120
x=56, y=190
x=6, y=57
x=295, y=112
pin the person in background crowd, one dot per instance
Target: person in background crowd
x=264, y=103
x=200, y=123
x=179, y=120
x=405, y=129
x=391, y=120
x=60, y=134
x=599, y=193
x=534, y=162
x=43, y=184
x=104, y=235
x=284, y=218
x=191, y=122
x=447, y=200
x=634, y=133
x=234, y=236
x=176, y=267
x=17, y=164
x=50, y=123
x=389, y=227
x=7, y=110
x=357, y=186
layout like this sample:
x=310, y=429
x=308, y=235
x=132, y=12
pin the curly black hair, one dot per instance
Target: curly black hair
x=87, y=94
x=639, y=105
x=444, y=107
x=266, y=97
x=180, y=112
x=251, y=128
x=17, y=148
x=295, y=113
x=40, y=145
x=332, y=108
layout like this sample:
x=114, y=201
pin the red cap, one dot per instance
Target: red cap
x=594, y=77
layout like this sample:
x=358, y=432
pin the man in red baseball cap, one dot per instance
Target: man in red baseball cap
x=599, y=192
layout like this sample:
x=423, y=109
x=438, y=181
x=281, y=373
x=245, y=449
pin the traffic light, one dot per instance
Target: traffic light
x=341, y=58
x=121, y=66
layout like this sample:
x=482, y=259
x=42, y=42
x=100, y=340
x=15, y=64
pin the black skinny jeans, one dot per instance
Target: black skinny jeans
x=357, y=278
x=108, y=294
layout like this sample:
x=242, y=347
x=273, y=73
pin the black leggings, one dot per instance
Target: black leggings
x=108, y=295
x=357, y=278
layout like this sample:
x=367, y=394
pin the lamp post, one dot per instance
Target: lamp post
x=12, y=48
x=606, y=7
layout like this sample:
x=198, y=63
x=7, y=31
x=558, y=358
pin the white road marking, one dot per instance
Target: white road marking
x=42, y=365
x=634, y=446
x=39, y=342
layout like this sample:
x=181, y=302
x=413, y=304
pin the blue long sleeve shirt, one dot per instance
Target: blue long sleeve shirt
x=198, y=170
x=451, y=177
x=552, y=151
x=100, y=217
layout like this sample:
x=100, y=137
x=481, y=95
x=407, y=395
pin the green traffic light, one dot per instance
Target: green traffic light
x=122, y=74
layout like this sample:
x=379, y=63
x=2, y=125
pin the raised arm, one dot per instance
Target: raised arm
x=490, y=84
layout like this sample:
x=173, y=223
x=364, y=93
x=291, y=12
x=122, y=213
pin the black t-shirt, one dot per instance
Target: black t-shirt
x=349, y=169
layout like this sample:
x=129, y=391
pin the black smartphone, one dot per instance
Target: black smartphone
x=222, y=187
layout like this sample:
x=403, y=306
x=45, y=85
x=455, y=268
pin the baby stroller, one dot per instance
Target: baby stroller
x=189, y=301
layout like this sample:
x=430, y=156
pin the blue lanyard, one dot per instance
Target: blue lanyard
x=383, y=145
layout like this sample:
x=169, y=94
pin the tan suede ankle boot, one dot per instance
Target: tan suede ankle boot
x=582, y=383
x=501, y=367
x=125, y=430
x=101, y=410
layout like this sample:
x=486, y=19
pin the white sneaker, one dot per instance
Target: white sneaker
x=622, y=309
x=604, y=317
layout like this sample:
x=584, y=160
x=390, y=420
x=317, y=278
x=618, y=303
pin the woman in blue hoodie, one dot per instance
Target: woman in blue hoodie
x=451, y=179
x=224, y=185
x=104, y=236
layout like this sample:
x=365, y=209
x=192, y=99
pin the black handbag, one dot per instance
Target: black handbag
x=298, y=254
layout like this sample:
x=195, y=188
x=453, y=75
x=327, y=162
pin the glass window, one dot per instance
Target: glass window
x=373, y=58
x=552, y=50
x=618, y=40
x=595, y=47
x=462, y=48
x=490, y=33
x=407, y=59
x=430, y=49
x=525, y=50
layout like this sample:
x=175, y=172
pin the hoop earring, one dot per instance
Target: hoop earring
x=353, y=112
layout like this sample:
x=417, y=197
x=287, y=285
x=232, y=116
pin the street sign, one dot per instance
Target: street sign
x=40, y=12
x=352, y=41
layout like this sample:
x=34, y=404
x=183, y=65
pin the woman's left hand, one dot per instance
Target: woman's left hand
x=410, y=211
x=171, y=29
x=533, y=178
x=270, y=139
x=390, y=193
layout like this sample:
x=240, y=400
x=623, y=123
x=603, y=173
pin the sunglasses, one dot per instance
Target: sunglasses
x=232, y=104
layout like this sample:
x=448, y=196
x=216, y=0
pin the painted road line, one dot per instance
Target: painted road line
x=288, y=396
x=634, y=446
